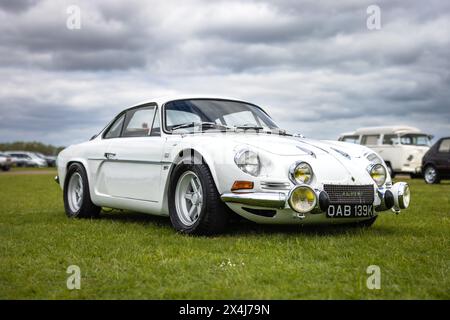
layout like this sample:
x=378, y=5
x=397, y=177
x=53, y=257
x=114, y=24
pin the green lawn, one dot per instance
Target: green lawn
x=129, y=255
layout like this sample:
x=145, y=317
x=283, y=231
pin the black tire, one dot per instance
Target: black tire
x=213, y=217
x=87, y=208
x=6, y=168
x=428, y=179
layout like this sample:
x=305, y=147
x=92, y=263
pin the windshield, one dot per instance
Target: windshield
x=216, y=113
x=415, y=140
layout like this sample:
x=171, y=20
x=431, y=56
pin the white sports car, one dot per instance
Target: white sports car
x=198, y=160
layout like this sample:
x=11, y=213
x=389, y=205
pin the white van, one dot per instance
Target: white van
x=401, y=147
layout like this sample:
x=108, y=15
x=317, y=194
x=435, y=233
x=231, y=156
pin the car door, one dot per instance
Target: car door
x=443, y=157
x=132, y=167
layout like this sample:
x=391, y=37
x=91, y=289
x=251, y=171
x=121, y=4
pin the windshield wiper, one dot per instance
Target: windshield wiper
x=277, y=131
x=200, y=124
x=249, y=127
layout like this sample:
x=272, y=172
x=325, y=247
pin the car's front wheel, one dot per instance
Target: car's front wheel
x=431, y=175
x=195, y=206
x=77, y=199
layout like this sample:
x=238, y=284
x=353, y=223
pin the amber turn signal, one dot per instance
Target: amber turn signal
x=240, y=185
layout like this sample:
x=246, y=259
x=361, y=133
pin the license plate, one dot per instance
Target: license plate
x=350, y=211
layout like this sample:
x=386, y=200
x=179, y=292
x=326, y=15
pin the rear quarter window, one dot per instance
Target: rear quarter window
x=444, y=146
x=115, y=129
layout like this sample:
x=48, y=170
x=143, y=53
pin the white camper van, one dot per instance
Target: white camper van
x=401, y=147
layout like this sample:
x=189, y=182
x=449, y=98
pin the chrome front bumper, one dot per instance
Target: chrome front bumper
x=261, y=199
x=391, y=198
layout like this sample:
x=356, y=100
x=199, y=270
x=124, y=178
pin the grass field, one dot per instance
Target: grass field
x=130, y=255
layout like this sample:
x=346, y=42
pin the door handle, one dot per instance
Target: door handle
x=110, y=156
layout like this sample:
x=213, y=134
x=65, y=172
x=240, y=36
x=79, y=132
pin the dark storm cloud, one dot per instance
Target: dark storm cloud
x=313, y=64
x=39, y=116
x=106, y=60
x=17, y=5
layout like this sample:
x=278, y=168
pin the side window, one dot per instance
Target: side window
x=139, y=122
x=115, y=129
x=370, y=140
x=350, y=139
x=156, y=128
x=444, y=146
x=390, y=139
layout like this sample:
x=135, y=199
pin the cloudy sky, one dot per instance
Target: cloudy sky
x=313, y=65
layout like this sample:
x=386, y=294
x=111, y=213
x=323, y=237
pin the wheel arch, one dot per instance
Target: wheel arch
x=429, y=164
x=190, y=155
x=86, y=168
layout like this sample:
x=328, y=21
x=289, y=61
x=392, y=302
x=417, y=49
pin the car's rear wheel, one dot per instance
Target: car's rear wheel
x=195, y=206
x=431, y=175
x=6, y=168
x=77, y=199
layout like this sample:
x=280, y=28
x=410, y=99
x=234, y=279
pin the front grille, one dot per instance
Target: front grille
x=346, y=194
x=275, y=185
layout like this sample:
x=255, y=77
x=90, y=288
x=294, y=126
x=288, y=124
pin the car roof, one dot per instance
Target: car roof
x=347, y=134
x=400, y=129
x=163, y=99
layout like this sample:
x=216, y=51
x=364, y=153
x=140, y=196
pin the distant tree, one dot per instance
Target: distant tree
x=32, y=146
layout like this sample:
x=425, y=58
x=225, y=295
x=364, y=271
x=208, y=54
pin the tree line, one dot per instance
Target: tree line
x=32, y=146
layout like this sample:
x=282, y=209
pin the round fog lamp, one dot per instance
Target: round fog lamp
x=302, y=199
x=404, y=196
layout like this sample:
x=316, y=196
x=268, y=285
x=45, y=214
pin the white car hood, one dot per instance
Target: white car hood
x=332, y=161
x=293, y=146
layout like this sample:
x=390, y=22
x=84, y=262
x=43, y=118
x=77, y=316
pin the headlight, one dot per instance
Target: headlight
x=301, y=173
x=378, y=174
x=302, y=199
x=374, y=158
x=248, y=161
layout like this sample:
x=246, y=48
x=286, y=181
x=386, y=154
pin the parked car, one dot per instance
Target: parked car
x=51, y=160
x=436, y=162
x=5, y=162
x=401, y=147
x=195, y=159
x=26, y=159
